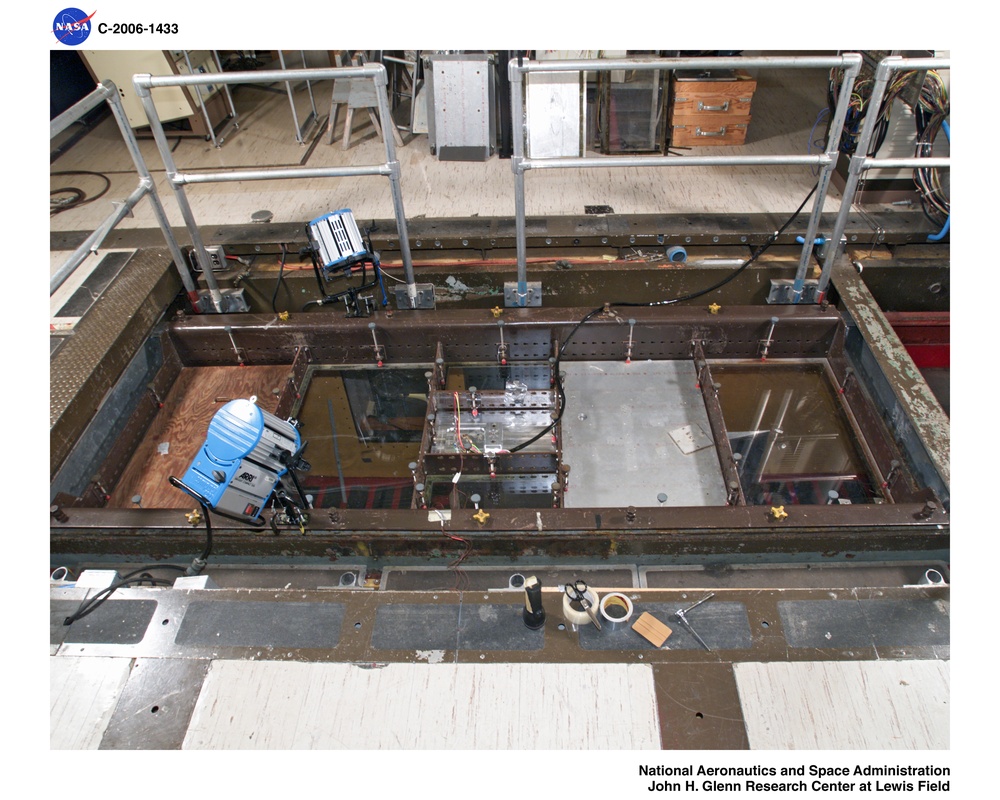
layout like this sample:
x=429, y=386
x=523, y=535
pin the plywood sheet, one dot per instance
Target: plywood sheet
x=289, y=705
x=173, y=439
x=846, y=705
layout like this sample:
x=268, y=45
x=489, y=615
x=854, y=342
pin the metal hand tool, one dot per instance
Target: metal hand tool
x=577, y=591
x=681, y=615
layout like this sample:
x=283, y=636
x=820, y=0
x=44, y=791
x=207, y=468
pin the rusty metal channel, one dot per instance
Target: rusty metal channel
x=453, y=337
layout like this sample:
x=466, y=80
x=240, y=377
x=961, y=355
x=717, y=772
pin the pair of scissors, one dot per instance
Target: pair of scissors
x=577, y=592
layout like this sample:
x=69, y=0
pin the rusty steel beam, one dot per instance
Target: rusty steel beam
x=471, y=335
x=716, y=421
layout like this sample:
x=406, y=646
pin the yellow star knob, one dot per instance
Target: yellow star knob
x=481, y=516
x=194, y=517
x=778, y=512
x=714, y=308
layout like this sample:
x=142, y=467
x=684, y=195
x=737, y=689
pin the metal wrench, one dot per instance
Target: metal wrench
x=681, y=615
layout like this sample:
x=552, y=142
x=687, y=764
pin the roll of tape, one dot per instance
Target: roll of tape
x=616, y=610
x=931, y=578
x=577, y=617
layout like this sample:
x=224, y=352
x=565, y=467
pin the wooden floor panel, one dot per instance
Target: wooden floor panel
x=180, y=429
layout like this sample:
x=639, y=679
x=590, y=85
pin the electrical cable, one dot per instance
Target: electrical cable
x=672, y=301
x=80, y=197
x=196, y=566
x=135, y=577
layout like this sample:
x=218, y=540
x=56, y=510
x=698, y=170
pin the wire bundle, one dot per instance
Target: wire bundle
x=931, y=115
x=930, y=112
x=860, y=105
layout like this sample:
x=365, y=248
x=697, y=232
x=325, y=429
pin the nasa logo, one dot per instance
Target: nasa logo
x=72, y=26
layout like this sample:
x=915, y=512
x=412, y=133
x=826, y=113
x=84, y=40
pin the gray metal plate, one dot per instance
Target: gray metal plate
x=92, y=286
x=625, y=412
x=723, y=626
x=237, y=623
x=112, y=622
x=865, y=623
x=532, y=299
x=424, y=298
x=783, y=291
x=155, y=707
x=451, y=627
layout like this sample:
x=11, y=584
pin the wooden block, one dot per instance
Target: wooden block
x=650, y=628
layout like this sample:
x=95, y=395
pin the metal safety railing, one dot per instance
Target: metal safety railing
x=216, y=141
x=107, y=92
x=825, y=162
x=861, y=162
x=374, y=72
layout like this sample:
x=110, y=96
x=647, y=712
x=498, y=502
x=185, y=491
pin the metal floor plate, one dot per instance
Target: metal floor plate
x=723, y=626
x=626, y=412
x=230, y=623
x=112, y=622
x=921, y=622
x=453, y=627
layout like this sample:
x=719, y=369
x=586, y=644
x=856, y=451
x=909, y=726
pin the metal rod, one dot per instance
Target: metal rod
x=168, y=162
x=80, y=109
x=180, y=263
x=201, y=102
x=860, y=161
x=336, y=452
x=717, y=423
x=823, y=183
x=279, y=173
x=291, y=101
x=913, y=162
x=820, y=159
x=652, y=63
x=309, y=90
x=92, y=242
x=146, y=81
x=225, y=88
x=517, y=163
x=381, y=80
x=772, y=435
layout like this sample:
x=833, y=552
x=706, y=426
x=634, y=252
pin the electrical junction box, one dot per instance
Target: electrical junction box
x=216, y=255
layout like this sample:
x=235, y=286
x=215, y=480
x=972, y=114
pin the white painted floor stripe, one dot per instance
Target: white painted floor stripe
x=846, y=705
x=83, y=693
x=294, y=705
